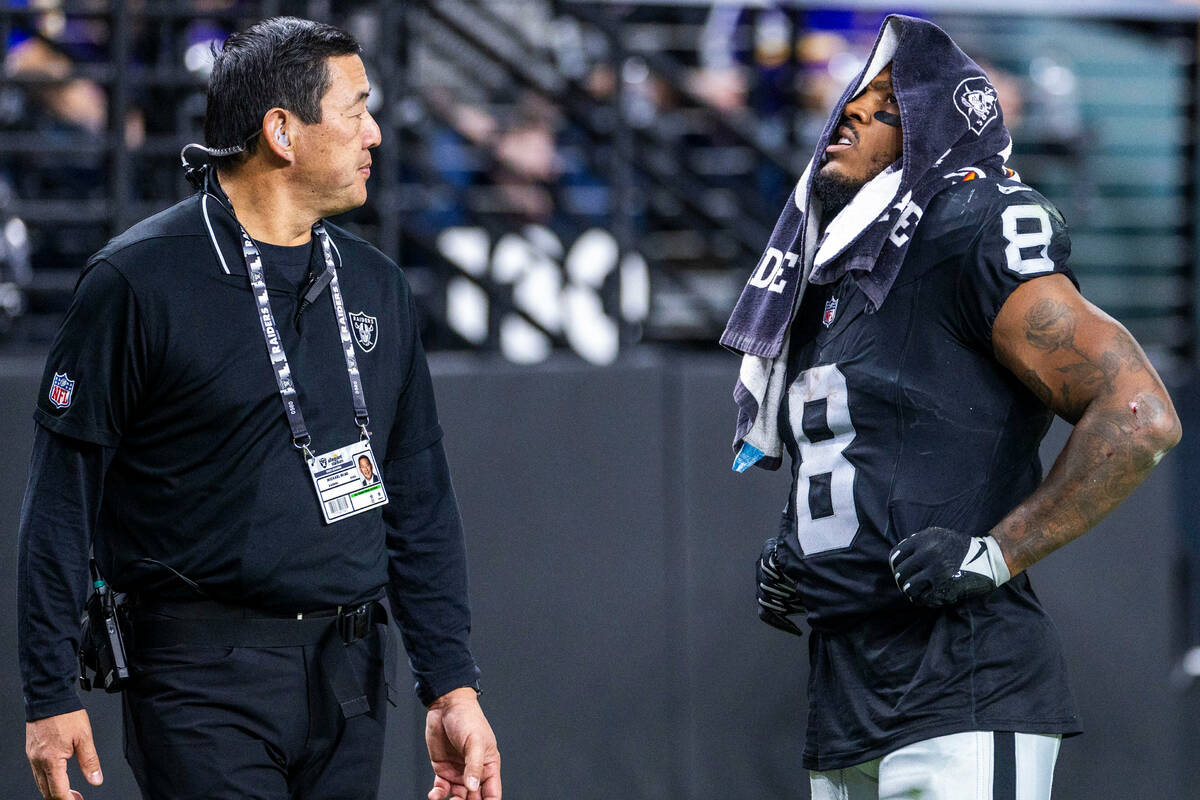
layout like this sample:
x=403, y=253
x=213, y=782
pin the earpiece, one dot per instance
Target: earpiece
x=282, y=138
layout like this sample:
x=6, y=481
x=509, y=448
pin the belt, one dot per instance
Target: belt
x=208, y=623
x=213, y=624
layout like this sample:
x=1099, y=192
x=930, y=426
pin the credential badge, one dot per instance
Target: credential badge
x=366, y=330
x=61, y=389
x=830, y=312
x=975, y=99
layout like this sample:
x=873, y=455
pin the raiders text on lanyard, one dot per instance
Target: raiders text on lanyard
x=347, y=479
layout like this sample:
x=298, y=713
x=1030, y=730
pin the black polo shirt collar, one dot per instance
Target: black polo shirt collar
x=223, y=230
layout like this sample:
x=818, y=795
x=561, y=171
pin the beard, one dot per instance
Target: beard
x=835, y=192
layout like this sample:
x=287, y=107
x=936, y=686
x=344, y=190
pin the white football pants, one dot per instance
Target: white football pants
x=976, y=765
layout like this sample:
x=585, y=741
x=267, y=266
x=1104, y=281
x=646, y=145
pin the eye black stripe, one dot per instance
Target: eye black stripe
x=888, y=118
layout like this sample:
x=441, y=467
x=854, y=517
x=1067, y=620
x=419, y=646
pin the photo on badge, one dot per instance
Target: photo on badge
x=367, y=469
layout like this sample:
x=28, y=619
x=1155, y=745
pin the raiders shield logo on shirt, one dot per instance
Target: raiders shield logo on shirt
x=366, y=330
x=975, y=99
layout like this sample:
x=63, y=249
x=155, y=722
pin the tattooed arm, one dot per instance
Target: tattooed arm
x=1087, y=368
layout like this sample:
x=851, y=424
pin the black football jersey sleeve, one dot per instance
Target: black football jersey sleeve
x=99, y=363
x=1021, y=236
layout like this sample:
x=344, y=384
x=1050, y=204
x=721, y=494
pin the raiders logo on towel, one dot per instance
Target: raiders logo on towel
x=975, y=99
x=366, y=330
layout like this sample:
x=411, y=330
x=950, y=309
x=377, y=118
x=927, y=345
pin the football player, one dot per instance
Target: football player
x=931, y=331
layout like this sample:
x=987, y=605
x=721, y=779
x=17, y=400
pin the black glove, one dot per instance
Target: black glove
x=940, y=566
x=777, y=597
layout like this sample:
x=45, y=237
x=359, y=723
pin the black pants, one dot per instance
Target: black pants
x=254, y=723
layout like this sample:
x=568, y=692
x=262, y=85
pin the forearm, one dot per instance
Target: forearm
x=57, y=518
x=1116, y=442
x=427, y=571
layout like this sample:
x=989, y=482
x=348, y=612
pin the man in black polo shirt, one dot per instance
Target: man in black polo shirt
x=253, y=556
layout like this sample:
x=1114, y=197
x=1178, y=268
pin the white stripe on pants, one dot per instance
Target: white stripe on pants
x=960, y=766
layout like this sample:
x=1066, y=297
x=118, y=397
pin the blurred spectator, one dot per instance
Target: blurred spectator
x=73, y=101
x=457, y=134
x=58, y=108
x=526, y=161
x=1008, y=92
x=746, y=68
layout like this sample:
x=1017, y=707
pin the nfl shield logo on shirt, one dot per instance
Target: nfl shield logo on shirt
x=366, y=330
x=60, y=390
x=830, y=312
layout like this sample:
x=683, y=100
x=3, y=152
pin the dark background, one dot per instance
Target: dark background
x=611, y=553
x=611, y=547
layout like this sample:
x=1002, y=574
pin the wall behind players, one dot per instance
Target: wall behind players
x=611, y=556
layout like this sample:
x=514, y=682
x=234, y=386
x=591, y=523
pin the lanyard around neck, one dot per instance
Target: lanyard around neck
x=283, y=372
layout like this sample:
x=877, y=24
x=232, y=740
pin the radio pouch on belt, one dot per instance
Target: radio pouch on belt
x=102, y=639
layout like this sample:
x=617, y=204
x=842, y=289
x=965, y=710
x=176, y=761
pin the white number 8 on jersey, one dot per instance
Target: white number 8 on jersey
x=819, y=413
x=1036, y=240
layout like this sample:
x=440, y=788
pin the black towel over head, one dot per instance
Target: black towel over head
x=951, y=120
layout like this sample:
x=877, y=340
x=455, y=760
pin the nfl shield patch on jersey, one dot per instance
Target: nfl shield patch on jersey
x=366, y=330
x=61, y=389
x=830, y=312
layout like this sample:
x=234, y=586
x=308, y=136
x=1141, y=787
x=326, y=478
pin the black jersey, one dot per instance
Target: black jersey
x=902, y=419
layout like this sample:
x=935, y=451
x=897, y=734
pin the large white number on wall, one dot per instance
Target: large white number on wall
x=819, y=410
x=561, y=289
x=1017, y=242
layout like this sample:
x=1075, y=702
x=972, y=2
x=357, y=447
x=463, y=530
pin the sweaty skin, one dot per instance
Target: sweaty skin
x=864, y=144
x=1088, y=369
x=873, y=143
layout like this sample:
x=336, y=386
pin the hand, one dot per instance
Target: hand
x=777, y=597
x=940, y=566
x=50, y=743
x=462, y=748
